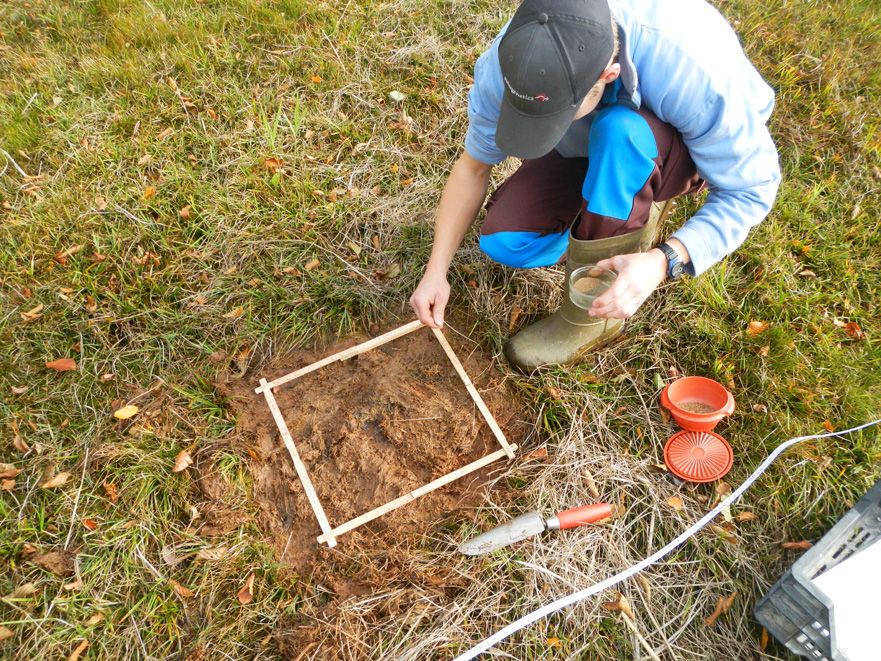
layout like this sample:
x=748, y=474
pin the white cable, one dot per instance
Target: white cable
x=563, y=602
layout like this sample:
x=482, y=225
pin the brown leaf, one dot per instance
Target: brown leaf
x=33, y=314
x=149, y=192
x=827, y=425
x=110, y=491
x=210, y=112
x=23, y=591
x=18, y=390
x=55, y=481
x=9, y=470
x=620, y=606
x=126, y=412
x=211, y=553
x=273, y=164
x=516, y=313
x=852, y=329
x=5, y=633
x=92, y=621
x=312, y=264
x=554, y=642
x=19, y=444
x=555, y=393
x=746, y=516
x=538, y=453
x=374, y=241
x=764, y=639
x=675, y=502
x=765, y=350
x=182, y=461
x=315, y=79
x=760, y=408
x=73, y=586
x=182, y=590
x=235, y=313
x=757, y=327
x=245, y=595
x=722, y=605
x=78, y=650
x=61, y=365
x=90, y=524
x=7, y=485
x=59, y=563
x=803, y=545
x=184, y=212
x=91, y=304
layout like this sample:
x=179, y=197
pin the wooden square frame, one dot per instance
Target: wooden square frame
x=328, y=534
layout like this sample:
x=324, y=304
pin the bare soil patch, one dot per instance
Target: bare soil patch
x=369, y=430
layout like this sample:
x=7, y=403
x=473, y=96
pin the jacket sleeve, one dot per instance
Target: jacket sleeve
x=733, y=151
x=484, y=107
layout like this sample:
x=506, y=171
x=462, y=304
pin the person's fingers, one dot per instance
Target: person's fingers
x=422, y=308
x=610, y=299
x=437, y=310
x=606, y=264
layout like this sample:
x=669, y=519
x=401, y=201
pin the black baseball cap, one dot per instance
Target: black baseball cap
x=552, y=53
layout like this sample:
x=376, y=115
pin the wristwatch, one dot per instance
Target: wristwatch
x=675, y=267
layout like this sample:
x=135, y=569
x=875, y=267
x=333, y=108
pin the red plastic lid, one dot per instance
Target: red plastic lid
x=698, y=456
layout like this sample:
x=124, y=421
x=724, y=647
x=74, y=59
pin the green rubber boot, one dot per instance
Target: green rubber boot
x=570, y=333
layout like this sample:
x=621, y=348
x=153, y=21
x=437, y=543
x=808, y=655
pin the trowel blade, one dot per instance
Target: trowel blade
x=514, y=530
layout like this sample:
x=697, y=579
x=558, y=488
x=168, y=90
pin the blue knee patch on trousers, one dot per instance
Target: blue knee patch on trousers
x=525, y=250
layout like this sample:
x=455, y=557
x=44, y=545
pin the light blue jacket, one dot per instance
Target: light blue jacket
x=681, y=60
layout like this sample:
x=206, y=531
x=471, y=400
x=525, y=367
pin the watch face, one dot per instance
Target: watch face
x=677, y=269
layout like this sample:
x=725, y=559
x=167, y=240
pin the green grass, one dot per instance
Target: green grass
x=102, y=100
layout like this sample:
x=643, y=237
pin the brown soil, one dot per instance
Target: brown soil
x=696, y=407
x=369, y=429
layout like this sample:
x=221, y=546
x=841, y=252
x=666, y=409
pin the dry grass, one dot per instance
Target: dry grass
x=92, y=117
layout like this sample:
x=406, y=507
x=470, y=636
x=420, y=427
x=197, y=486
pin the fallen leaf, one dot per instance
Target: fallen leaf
x=516, y=313
x=807, y=273
x=555, y=393
x=18, y=390
x=8, y=470
x=722, y=605
x=245, y=595
x=55, y=481
x=59, y=563
x=315, y=79
x=852, y=329
x=5, y=633
x=19, y=443
x=90, y=524
x=92, y=621
x=554, y=642
x=61, y=365
x=149, y=192
x=91, y=304
x=110, y=491
x=620, y=606
x=746, y=516
x=182, y=590
x=7, y=485
x=374, y=241
x=22, y=591
x=73, y=586
x=235, y=313
x=803, y=545
x=210, y=112
x=107, y=377
x=184, y=212
x=182, y=461
x=33, y=314
x=726, y=534
x=675, y=502
x=146, y=158
x=765, y=350
x=760, y=408
x=126, y=412
x=396, y=96
x=538, y=453
x=312, y=264
x=764, y=639
x=78, y=650
x=354, y=247
x=273, y=164
x=827, y=425
x=211, y=553
x=757, y=327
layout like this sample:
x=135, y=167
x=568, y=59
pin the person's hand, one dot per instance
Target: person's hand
x=639, y=275
x=430, y=299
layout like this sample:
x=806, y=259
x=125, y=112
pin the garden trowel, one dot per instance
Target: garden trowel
x=531, y=524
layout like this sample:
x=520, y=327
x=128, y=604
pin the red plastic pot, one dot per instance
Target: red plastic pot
x=697, y=392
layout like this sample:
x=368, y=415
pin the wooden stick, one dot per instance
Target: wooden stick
x=344, y=355
x=490, y=420
x=413, y=495
x=298, y=464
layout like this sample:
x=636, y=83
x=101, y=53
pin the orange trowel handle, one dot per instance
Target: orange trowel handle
x=578, y=516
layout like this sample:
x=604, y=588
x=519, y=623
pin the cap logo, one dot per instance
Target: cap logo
x=525, y=97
